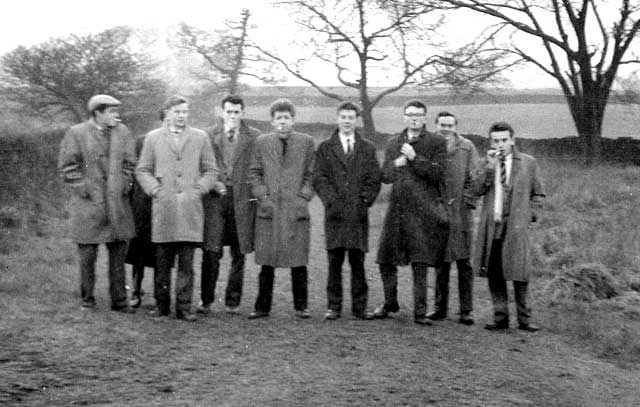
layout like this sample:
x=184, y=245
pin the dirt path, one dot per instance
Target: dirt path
x=54, y=354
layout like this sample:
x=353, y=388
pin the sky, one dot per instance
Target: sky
x=29, y=22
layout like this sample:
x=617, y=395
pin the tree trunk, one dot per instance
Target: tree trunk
x=368, y=124
x=588, y=114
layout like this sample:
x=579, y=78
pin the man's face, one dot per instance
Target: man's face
x=446, y=125
x=414, y=117
x=502, y=142
x=282, y=122
x=110, y=117
x=231, y=115
x=177, y=115
x=347, y=121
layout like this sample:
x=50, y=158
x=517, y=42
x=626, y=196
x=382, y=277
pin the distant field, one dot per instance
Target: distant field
x=534, y=120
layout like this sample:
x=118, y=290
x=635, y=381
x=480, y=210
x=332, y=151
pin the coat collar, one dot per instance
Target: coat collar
x=336, y=146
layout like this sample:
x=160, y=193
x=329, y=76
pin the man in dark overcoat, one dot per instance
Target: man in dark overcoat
x=97, y=159
x=280, y=174
x=229, y=210
x=460, y=173
x=347, y=179
x=415, y=225
x=512, y=189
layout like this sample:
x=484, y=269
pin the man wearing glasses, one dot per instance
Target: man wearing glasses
x=415, y=225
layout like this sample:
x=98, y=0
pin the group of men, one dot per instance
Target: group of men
x=231, y=186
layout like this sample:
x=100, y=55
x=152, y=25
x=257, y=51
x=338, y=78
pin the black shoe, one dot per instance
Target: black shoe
x=497, y=326
x=186, y=316
x=365, y=316
x=125, y=309
x=528, y=327
x=88, y=304
x=257, y=314
x=437, y=315
x=303, y=313
x=422, y=320
x=136, y=301
x=331, y=315
x=204, y=309
x=465, y=319
x=156, y=313
x=383, y=311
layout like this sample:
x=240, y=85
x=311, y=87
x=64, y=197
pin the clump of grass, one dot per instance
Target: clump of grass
x=586, y=282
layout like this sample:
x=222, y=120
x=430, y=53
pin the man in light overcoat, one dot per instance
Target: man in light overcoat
x=97, y=159
x=280, y=174
x=176, y=168
x=415, y=225
x=511, y=187
x=460, y=173
x=347, y=179
x=229, y=210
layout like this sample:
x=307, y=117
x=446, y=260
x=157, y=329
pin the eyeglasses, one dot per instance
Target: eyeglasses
x=412, y=115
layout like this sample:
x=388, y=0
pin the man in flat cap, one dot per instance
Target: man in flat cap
x=97, y=159
x=176, y=168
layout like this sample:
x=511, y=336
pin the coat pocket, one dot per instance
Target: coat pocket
x=265, y=210
x=301, y=210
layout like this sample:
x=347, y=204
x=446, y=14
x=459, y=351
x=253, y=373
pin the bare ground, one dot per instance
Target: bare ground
x=52, y=353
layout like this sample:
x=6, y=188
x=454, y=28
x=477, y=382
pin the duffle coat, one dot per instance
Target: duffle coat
x=176, y=176
x=415, y=225
x=522, y=197
x=347, y=186
x=282, y=184
x=99, y=168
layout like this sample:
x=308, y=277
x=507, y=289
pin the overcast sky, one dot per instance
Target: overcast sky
x=28, y=22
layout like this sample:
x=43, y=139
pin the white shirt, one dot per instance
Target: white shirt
x=345, y=140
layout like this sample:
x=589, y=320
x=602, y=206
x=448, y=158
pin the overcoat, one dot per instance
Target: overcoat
x=522, y=196
x=99, y=168
x=282, y=184
x=243, y=206
x=176, y=176
x=462, y=168
x=141, y=246
x=415, y=225
x=347, y=186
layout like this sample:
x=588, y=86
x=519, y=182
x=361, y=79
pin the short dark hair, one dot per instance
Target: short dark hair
x=171, y=101
x=501, y=126
x=100, y=108
x=446, y=114
x=348, y=106
x=415, y=103
x=234, y=100
x=282, y=105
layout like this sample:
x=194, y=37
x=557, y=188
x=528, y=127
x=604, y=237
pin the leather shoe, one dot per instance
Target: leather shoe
x=436, y=315
x=497, y=326
x=528, y=327
x=156, y=313
x=257, y=314
x=125, y=309
x=365, y=316
x=331, y=315
x=383, y=311
x=422, y=320
x=232, y=310
x=136, y=301
x=303, y=313
x=186, y=316
x=204, y=309
x=465, y=319
x=88, y=304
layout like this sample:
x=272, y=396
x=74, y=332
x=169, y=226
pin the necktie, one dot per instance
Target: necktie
x=503, y=171
x=349, y=146
x=231, y=135
x=284, y=145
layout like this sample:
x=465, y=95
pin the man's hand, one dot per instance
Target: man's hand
x=408, y=151
x=400, y=161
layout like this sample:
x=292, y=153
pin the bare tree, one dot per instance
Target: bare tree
x=60, y=75
x=226, y=54
x=582, y=45
x=361, y=40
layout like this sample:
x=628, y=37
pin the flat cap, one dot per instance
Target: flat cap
x=98, y=100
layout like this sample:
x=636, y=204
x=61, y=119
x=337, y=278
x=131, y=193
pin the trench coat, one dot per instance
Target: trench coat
x=461, y=170
x=415, y=225
x=282, y=184
x=141, y=246
x=522, y=198
x=100, y=171
x=243, y=206
x=347, y=186
x=176, y=177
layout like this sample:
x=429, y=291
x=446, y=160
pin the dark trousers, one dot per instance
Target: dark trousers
x=165, y=257
x=265, y=288
x=498, y=288
x=211, y=260
x=88, y=254
x=465, y=286
x=389, y=274
x=359, y=287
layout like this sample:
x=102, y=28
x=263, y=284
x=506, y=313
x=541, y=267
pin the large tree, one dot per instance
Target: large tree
x=226, y=54
x=60, y=75
x=580, y=43
x=374, y=42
